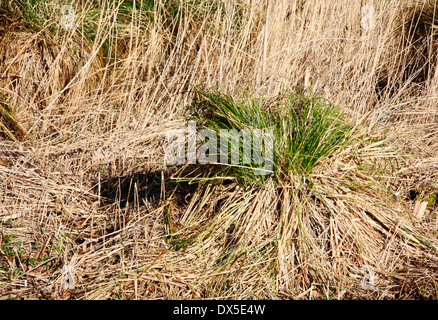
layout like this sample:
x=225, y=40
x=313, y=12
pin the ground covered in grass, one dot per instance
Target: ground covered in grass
x=91, y=209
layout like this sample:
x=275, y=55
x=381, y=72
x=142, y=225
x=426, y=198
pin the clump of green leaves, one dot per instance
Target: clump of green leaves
x=15, y=272
x=306, y=130
x=8, y=247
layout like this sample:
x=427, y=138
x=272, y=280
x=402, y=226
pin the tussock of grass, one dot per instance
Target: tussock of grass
x=308, y=222
x=306, y=129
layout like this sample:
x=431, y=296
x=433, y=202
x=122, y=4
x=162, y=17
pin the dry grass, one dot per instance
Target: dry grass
x=85, y=183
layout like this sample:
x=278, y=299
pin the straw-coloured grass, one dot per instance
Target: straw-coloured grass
x=87, y=185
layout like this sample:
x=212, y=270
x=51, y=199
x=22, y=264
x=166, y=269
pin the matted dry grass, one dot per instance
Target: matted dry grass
x=89, y=186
